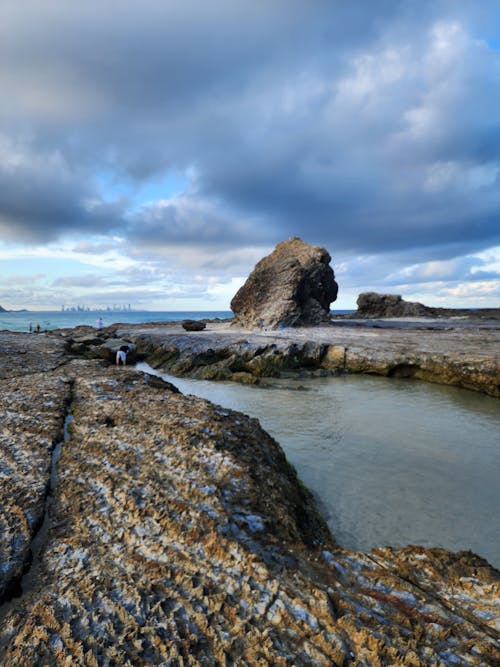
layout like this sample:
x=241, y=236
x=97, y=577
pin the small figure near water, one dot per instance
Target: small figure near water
x=38, y=328
x=121, y=355
x=31, y=327
x=100, y=323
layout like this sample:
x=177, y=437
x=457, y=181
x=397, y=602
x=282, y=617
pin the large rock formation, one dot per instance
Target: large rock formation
x=293, y=286
x=371, y=304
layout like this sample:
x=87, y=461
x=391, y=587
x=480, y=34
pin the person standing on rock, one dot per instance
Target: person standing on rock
x=121, y=355
x=100, y=323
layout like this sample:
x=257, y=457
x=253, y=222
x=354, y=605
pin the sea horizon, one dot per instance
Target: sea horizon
x=22, y=320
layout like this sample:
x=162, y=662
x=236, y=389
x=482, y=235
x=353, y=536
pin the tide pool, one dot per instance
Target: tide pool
x=390, y=461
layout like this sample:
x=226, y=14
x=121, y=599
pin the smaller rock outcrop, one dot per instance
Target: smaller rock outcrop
x=371, y=304
x=293, y=286
x=193, y=325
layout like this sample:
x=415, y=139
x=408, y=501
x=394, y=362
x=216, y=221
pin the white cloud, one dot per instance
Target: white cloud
x=372, y=131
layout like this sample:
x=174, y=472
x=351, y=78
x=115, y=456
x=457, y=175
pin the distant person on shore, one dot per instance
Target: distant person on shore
x=31, y=327
x=37, y=328
x=121, y=355
x=100, y=323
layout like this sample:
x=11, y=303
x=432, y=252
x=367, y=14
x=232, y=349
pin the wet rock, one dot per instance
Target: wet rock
x=193, y=325
x=461, y=354
x=244, y=378
x=293, y=286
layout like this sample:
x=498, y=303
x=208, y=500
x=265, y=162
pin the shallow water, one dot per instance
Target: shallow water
x=391, y=461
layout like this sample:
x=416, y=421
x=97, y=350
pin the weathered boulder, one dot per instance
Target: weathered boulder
x=371, y=304
x=293, y=286
x=193, y=325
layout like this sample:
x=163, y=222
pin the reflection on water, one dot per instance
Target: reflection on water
x=391, y=461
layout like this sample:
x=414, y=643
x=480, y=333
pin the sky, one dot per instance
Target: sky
x=152, y=152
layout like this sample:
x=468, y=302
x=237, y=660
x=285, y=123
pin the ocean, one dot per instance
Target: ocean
x=58, y=319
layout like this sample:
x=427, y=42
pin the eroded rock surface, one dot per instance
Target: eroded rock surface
x=455, y=353
x=293, y=286
x=23, y=354
x=180, y=535
x=31, y=421
x=371, y=304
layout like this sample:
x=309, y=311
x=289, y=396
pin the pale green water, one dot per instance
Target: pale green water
x=392, y=461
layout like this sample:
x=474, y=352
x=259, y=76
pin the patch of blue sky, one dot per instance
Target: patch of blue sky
x=168, y=185
x=491, y=29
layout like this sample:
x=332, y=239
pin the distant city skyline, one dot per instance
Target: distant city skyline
x=85, y=308
x=151, y=153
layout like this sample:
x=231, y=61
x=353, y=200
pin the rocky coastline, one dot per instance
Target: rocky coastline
x=458, y=351
x=180, y=535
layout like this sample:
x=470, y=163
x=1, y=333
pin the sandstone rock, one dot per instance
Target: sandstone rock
x=32, y=415
x=193, y=325
x=371, y=304
x=293, y=286
x=26, y=354
x=181, y=535
x=444, y=352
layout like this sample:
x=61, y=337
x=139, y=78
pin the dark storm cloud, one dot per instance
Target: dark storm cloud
x=367, y=127
x=36, y=206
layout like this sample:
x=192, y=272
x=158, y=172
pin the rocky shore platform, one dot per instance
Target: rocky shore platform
x=172, y=531
x=460, y=351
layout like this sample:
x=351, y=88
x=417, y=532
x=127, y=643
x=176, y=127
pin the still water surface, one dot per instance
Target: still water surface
x=391, y=461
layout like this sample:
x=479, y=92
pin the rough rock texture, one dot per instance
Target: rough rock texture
x=293, y=286
x=371, y=304
x=31, y=418
x=181, y=536
x=22, y=354
x=454, y=352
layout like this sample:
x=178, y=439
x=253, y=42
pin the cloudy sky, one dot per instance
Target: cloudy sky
x=151, y=152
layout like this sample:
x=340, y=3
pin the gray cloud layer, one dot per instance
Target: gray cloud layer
x=364, y=126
